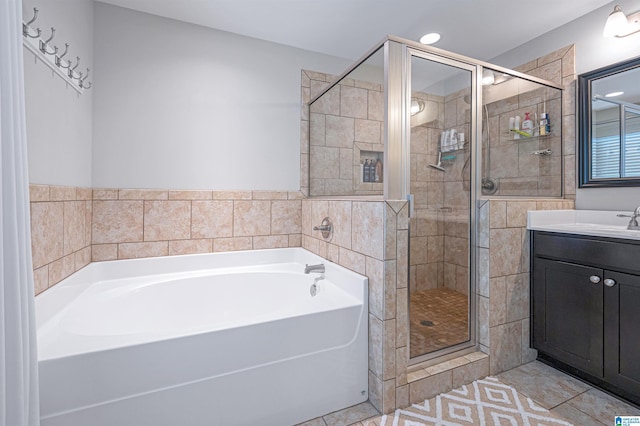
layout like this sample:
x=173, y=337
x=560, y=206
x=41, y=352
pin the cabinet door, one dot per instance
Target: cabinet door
x=622, y=331
x=568, y=314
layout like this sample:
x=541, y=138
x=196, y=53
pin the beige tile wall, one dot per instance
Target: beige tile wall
x=61, y=220
x=74, y=226
x=518, y=172
x=142, y=223
x=559, y=67
x=371, y=238
x=503, y=279
x=344, y=122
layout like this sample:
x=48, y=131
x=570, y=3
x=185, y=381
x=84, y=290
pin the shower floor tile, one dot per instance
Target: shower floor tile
x=438, y=318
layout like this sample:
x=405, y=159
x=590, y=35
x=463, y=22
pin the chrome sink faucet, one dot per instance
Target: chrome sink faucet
x=319, y=268
x=633, y=222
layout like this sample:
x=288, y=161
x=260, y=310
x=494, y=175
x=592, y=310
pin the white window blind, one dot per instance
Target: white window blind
x=606, y=161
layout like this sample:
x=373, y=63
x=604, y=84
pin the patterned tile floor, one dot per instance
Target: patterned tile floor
x=439, y=318
x=570, y=401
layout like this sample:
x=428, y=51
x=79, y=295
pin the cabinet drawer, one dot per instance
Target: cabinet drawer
x=602, y=253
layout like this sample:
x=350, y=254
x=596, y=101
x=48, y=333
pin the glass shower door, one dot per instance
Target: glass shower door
x=441, y=122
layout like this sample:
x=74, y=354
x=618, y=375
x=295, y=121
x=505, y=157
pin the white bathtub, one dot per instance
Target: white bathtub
x=214, y=339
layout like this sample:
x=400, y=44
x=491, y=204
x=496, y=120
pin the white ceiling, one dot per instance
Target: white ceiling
x=481, y=29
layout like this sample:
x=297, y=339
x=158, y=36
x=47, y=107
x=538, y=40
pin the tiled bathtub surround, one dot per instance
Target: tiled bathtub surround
x=74, y=226
x=129, y=223
x=61, y=220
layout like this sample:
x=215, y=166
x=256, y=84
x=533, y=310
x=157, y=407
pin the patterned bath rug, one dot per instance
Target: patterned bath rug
x=486, y=402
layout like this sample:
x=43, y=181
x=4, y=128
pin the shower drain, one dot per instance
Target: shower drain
x=427, y=323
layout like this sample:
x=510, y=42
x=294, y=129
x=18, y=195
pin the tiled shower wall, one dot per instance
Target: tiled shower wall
x=440, y=226
x=559, y=67
x=517, y=171
x=74, y=226
x=344, y=123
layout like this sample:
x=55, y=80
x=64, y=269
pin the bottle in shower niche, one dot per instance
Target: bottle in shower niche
x=378, y=171
x=365, y=172
x=372, y=170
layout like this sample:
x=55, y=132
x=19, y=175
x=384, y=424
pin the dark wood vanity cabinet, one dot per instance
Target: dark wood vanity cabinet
x=585, y=304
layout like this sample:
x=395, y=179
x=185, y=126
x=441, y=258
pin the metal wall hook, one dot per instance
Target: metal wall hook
x=59, y=57
x=72, y=73
x=26, y=28
x=53, y=34
x=44, y=45
x=83, y=78
x=35, y=16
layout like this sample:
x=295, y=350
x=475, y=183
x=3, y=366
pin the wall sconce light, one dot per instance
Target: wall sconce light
x=488, y=77
x=620, y=25
x=416, y=106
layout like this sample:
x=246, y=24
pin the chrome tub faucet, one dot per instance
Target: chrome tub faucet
x=319, y=268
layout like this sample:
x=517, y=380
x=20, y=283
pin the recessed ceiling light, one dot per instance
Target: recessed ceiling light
x=613, y=94
x=430, y=38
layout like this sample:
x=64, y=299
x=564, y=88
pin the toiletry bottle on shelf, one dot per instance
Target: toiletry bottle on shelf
x=547, y=123
x=444, y=141
x=372, y=170
x=365, y=177
x=543, y=126
x=378, y=171
x=453, y=142
x=516, y=127
x=527, y=124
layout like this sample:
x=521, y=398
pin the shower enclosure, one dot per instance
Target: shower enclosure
x=412, y=122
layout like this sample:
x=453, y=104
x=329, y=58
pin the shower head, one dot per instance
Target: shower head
x=439, y=165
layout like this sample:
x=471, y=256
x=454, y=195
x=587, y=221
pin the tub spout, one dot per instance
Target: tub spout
x=319, y=268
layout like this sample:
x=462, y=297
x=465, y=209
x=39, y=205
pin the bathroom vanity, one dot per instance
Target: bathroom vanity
x=585, y=298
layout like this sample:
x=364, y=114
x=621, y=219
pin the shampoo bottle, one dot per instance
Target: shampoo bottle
x=372, y=170
x=516, y=126
x=378, y=171
x=365, y=178
x=527, y=124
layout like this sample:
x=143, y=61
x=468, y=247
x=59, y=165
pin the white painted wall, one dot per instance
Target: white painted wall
x=592, y=51
x=182, y=106
x=59, y=121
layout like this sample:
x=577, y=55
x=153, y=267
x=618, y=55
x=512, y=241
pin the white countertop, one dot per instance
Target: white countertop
x=583, y=222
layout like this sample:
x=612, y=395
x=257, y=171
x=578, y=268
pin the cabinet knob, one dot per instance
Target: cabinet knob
x=609, y=282
x=594, y=279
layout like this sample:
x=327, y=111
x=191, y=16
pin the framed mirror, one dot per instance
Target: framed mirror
x=609, y=125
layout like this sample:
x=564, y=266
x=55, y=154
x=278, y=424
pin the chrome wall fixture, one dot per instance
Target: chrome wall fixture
x=48, y=54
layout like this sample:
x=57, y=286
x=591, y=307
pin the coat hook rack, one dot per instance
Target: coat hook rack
x=48, y=55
